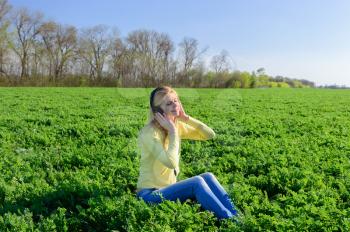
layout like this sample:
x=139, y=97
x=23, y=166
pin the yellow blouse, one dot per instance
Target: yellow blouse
x=159, y=164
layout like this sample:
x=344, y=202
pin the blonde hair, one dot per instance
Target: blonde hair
x=156, y=99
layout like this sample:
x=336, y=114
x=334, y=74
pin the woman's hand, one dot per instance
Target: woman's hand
x=182, y=114
x=165, y=122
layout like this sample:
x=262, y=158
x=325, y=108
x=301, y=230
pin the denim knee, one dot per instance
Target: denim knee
x=208, y=175
x=198, y=181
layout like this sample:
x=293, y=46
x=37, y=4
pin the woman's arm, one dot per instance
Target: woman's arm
x=194, y=129
x=152, y=142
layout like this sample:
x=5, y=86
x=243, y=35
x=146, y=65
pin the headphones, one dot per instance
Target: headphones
x=152, y=97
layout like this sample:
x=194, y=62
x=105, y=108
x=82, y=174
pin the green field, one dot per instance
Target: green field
x=69, y=160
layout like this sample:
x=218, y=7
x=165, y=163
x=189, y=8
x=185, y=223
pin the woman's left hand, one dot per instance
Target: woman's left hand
x=182, y=114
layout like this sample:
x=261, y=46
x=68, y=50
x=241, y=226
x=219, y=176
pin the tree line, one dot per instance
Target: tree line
x=39, y=52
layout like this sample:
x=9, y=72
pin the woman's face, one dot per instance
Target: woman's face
x=171, y=105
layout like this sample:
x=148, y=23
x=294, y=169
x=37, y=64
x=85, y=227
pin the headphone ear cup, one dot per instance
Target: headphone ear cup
x=152, y=96
x=154, y=110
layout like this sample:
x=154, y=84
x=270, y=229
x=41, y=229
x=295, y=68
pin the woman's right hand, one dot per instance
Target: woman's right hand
x=165, y=122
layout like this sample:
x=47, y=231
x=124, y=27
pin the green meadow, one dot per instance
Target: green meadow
x=69, y=160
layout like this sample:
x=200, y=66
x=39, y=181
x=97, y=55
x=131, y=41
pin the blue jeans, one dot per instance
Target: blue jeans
x=204, y=188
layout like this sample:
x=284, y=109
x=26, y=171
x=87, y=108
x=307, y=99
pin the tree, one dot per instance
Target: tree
x=4, y=23
x=254, y=82
x=119, y=65
x=221, y=66
x=220, y=63
x=283, y=85
x=246, y=80
x=260, y=71
x=165, y=48
x=94, y=46
x=262, y=80
x=26, y=27
x=60, y=43
x=150, y=54
x=188, y=53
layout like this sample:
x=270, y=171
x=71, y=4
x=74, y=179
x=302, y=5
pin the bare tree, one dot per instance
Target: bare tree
x=164, y=49
x=4, y=10
x=150, y=54
x=60, y=44
x=189, y=52
x=36, y=63
x=220, y=63
x=94, y=46
x=119, y=65
x=26, y=27
x=4, y=23
x=221, y=66
x=140, y=49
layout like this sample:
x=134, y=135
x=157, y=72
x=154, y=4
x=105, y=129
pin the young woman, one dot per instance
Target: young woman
x=159, y=142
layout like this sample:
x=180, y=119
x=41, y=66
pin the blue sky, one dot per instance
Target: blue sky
x=303, y=39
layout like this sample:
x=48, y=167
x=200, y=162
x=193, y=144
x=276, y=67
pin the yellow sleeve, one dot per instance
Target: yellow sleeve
x=152, y=142
x=195, y=129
